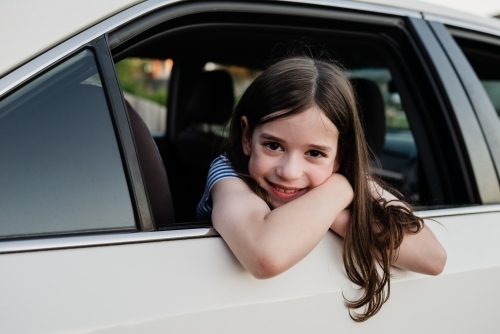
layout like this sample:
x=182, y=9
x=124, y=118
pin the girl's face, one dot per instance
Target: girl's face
x=290, y=156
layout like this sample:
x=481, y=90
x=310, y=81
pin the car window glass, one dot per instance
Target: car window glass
x=492, y=88
x=485, y=60
x=61, y=166
x=145, y=86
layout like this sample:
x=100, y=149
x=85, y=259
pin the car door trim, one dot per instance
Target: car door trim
x=115, y=239
x=124, y=136
x=481, y=103
x=369, y=7
x=126, y=32
x=466, y=210
x=476, y=147
x=45, y=244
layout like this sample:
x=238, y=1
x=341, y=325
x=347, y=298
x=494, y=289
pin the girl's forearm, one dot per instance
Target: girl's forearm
x=297, y=227
x=421, y=253
x=269, y=242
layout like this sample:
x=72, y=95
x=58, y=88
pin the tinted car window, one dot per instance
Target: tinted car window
x=61, y=166
x=485, y=60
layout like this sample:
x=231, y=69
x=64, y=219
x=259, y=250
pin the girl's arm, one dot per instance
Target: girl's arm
x=268, y=242
x=419, y=252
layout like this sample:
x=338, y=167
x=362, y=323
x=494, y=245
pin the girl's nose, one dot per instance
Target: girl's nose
x=289, y=167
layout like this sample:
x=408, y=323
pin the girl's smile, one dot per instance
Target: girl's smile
x=291, y=155
x=285, y=193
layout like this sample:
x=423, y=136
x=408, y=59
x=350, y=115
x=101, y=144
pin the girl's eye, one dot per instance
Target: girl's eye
x=316, y=154
x=273, y=146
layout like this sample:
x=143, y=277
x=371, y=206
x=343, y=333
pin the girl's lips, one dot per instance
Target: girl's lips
x=285, y=192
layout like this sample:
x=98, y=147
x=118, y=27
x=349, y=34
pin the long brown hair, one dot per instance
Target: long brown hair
x=376, y=230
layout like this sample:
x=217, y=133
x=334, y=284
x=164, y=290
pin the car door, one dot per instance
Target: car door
x=116, y=272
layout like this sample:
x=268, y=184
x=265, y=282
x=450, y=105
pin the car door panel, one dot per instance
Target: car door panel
x=197, y=285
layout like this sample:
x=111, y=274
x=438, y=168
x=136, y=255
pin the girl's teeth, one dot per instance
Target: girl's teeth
x=285, y=191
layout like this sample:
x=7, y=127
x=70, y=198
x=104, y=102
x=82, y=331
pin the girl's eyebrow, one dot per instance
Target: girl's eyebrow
x=270, y=137
x=320, y=148
x=312, y=146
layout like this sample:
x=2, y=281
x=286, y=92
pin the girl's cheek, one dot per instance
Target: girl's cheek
x=256, y=166
x=321, y=176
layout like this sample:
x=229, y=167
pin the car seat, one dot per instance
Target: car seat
x=153, y=171
x=372, y=112
x=405, y=177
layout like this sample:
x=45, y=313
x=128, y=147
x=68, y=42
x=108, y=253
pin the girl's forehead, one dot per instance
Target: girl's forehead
x=312, y=121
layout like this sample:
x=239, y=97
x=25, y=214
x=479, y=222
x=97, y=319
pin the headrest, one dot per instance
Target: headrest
x=371, y=111
x=212, y=99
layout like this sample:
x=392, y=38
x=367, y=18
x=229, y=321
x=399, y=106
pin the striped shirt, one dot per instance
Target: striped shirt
x=219, y=169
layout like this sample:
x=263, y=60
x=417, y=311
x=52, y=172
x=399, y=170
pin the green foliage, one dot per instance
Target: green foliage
x=135, y=79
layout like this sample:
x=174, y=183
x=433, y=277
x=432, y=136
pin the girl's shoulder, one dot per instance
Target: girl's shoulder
x=221, y=159
x=220, y=168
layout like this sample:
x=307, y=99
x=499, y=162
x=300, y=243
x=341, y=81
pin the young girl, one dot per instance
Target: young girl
x=296, y=164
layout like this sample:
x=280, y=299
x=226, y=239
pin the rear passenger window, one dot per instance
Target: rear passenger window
x=61, y=166
x=485, y=60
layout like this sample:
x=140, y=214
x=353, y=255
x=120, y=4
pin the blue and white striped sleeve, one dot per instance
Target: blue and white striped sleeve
x=219, y=169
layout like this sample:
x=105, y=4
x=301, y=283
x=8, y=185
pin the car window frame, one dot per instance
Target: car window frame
x=478, y=190
x=475, y=146
x=483, y=107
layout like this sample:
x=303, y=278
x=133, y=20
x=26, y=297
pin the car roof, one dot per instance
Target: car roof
x=31, y=27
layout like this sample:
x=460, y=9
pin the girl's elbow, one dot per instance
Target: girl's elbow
x=266, y=266
x=438, y=263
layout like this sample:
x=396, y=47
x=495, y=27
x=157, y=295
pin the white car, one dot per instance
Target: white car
x=95, y=239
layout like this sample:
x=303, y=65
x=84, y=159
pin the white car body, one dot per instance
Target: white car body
x=187, y=280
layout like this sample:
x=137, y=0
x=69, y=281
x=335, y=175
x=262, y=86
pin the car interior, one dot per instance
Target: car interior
x=376, y=57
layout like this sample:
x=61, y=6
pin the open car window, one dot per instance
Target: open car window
x=404, y=118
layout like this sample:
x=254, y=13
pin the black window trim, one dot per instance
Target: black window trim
x=124, y=135
x=128, y=31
